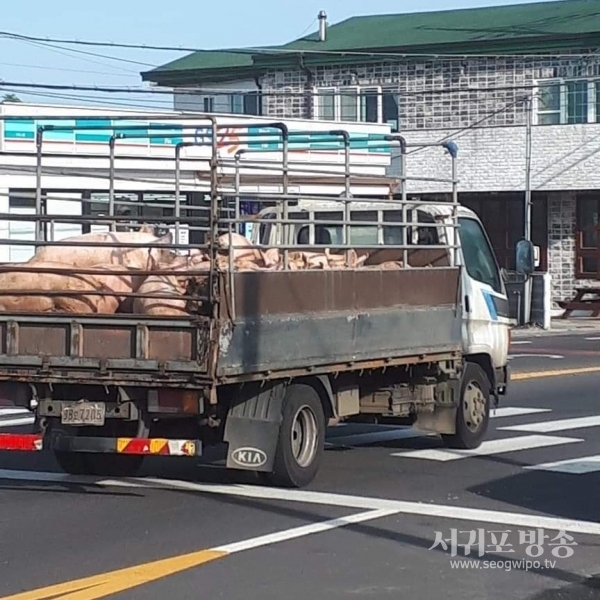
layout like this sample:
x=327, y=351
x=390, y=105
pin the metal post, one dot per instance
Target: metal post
x=214, y=219
x=527, y=288
x=345, y=231
x=39, y=227
x=286, y=226
x=404, y=193
x=111, y=181
x=455, y=209
x=237, y=184
x=177, y=191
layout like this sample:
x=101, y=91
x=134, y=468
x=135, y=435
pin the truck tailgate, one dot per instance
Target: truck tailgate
x=106, y=349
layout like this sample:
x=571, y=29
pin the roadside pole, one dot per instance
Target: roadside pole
x=527, y=291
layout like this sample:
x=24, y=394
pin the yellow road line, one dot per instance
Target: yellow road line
x=105, y=584
x=553, y=373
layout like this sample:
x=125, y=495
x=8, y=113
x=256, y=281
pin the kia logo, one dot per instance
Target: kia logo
x=249, y=457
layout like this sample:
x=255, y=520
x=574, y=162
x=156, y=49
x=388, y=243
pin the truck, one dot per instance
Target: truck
x=413, y=327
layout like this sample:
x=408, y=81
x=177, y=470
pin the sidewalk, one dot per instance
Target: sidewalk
x=572, y=326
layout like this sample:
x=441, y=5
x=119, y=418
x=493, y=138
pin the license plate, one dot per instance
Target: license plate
x=84, y=413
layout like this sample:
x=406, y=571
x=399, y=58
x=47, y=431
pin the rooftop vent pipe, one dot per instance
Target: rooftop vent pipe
x=322, y=25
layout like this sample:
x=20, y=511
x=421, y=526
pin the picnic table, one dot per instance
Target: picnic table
x=581, y=303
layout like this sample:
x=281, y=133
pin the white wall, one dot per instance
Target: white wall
x=564, y=157
x=195, y=102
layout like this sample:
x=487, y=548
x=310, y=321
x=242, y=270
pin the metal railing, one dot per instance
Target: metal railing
x=270, y=176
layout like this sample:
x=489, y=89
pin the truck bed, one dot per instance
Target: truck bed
x=314, y=320
x=270, y=324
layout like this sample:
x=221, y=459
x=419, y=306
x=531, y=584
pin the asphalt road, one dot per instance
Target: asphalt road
x=364, y=529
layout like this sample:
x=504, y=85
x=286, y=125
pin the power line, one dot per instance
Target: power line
x=281, y=50
x=69, y=52
x=369, y=91
x=46, y=68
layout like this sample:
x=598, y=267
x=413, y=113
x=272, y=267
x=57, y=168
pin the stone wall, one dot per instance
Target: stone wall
x=435, y=93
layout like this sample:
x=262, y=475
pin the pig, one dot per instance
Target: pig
x=20, y=284
x=139, y=258
x=174, y=286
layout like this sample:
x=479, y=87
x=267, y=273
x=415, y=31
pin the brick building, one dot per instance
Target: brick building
x=471, y=75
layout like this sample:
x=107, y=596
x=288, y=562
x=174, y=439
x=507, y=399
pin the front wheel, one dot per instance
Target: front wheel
x=301, y=438
x=473, y=412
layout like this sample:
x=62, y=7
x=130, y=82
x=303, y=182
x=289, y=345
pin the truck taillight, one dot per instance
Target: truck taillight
x=172, y=401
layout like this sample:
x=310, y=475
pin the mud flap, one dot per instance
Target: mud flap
x=252, y=427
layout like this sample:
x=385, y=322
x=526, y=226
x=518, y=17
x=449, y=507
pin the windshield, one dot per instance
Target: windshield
x=478, y=255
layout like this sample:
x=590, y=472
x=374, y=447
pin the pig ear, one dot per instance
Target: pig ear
x=146, y=228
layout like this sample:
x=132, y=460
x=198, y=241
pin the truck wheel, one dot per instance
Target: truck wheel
x=473, y=413
x=109, y=465
x=301, y=438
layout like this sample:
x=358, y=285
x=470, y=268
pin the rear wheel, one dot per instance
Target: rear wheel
x=301, y=438
x=473, y=413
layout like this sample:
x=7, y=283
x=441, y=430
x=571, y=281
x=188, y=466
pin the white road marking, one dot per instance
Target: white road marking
x=552, y=356
x=526, y=442
x=376, y=436
x=17, y=422
x=592, y=339
x=552, y=426
x=442, y=511
x=510, y=411
x=575, y=466
x=304, y=530
x=13, y=411
x=521, y=342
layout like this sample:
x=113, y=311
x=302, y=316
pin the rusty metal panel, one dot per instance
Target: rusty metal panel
x=165, y=344
x=35, y=340
x=100, y=342
x=283, y=342
x=280, y=292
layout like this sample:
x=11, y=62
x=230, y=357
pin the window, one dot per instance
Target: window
x=568, y=102
x=587, y=251
x=332, y=233
x=478, y=256
x=364, y=104
x=209, y=104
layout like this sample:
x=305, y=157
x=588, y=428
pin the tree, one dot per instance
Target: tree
x=11, y=98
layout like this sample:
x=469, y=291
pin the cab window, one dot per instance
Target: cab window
x=479, y=258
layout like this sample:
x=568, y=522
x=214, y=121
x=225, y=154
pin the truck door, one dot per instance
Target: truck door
x=485, y=303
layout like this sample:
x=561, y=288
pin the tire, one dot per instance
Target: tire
x=301, y=438
x=473, y=413
x=109, y=465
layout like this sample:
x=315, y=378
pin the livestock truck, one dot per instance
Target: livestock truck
x=412, y=329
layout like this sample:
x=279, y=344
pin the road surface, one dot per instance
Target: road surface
x=377, y=523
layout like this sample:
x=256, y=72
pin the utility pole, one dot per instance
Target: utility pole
x=527, y=291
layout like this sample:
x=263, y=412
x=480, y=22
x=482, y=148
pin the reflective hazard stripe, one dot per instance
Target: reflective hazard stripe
x=157, y=446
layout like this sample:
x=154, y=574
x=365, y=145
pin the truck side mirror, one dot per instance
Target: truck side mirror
x=525, y=257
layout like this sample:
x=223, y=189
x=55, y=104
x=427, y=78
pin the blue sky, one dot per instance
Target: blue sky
x=191, y=23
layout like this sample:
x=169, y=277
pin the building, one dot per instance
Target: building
x=76, y=179
x=473, y=75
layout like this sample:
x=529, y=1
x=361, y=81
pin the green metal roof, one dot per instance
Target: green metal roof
x=513, y=28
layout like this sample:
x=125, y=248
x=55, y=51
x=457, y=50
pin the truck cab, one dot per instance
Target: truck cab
x=484, y=301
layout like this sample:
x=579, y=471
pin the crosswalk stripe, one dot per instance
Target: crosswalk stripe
x=526, y=442
x=575, y=466
x=552, y=426
x=515, y=411
x=17, y=422
x=12, y=411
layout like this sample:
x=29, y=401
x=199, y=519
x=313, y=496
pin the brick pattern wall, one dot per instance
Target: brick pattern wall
x=433, y=94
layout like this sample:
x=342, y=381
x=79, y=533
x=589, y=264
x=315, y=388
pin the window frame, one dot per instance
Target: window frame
x=337, y=92
x=582, y=252
x=593, y=100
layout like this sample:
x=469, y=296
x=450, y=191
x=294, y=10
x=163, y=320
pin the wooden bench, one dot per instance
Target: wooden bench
x=580, y=303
